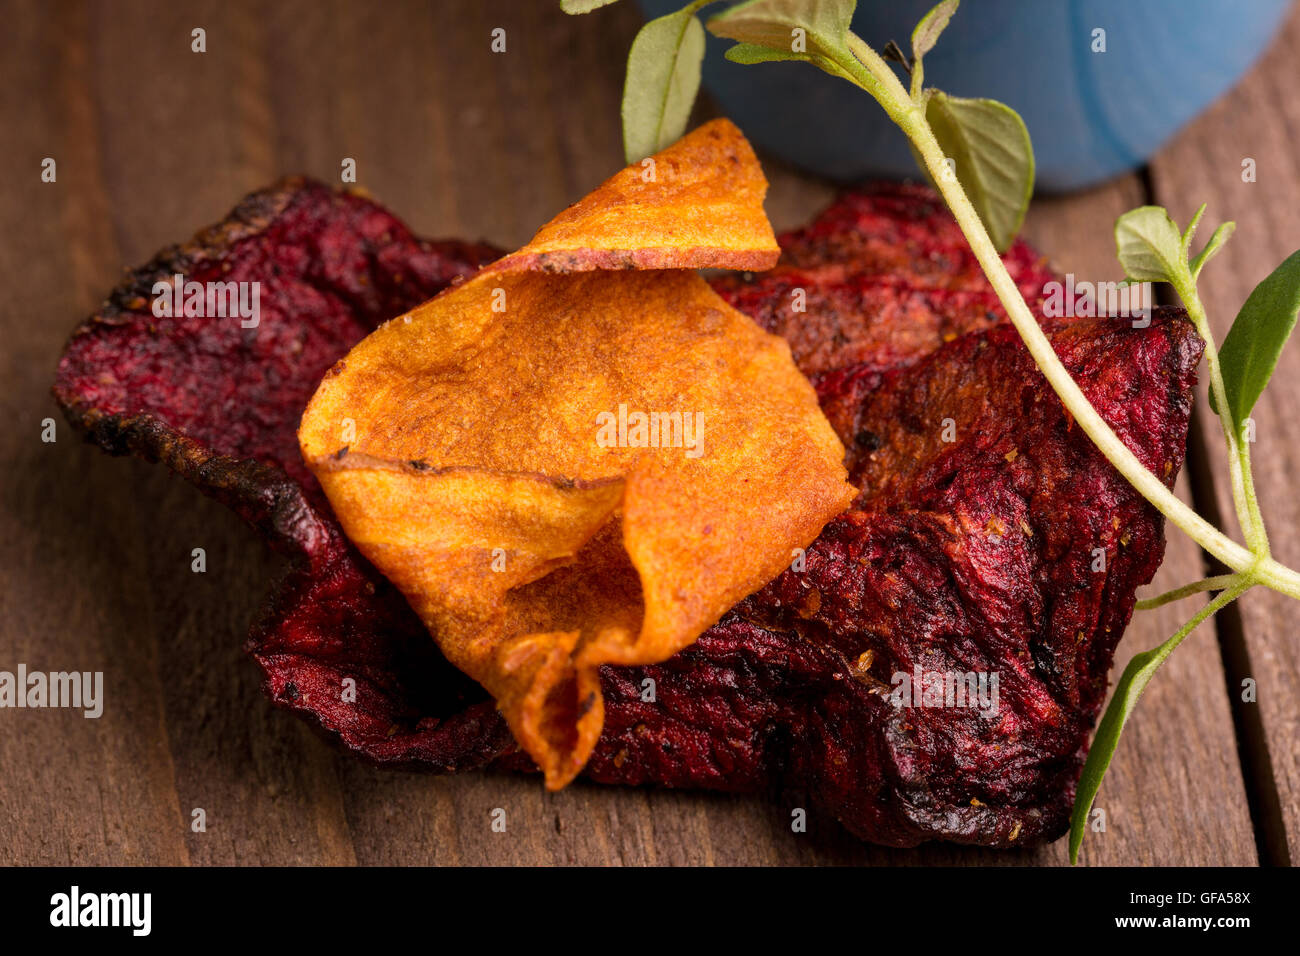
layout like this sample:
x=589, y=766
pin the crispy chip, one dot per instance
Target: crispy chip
x=563, y=466
x=696, y=205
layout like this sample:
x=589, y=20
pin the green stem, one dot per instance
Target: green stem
x=887, y=89
x=1218, y=583
x=1252, y=500
x=1243, y=489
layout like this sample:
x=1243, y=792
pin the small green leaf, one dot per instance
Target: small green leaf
x=815, y=32
x=1251, y=349
x=1148, y=245
x=663, y=76
x=583, y=6
x=988, y=145
x=750, y=53
x=1217, y=239
x=1136, y=676
x=771, y=23
x=932, y=24
x=1190, y=231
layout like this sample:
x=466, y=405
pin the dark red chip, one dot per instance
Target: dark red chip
x=971, y=550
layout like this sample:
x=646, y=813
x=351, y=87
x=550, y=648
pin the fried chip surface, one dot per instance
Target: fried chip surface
x=696, y=205
x=562, y=466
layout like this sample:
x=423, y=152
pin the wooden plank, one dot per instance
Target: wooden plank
x=74, y=594
x=1259, y=121
x=182, y=136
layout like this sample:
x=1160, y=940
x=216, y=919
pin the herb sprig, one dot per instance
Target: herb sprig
x=978, y=155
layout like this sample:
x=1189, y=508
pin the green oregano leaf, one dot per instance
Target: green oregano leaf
x=1253, y=344
x=663, y=76
x=814, y=32
x=988, y=149
x=1190, y=231
x=771, y=23
x=1217, y=239
x=1148, y=245
x=750, y=53
x=583, y=6
x=932, y=24
x=1134, y=680
x=747, y=53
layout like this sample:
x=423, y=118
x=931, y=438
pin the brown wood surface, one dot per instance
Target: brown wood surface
x=153, y=141
x=1260, y=121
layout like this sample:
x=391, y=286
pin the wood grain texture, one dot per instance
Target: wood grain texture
x=1258, y=121
x=154, y=141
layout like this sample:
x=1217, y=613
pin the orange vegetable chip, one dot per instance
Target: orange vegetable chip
x=696, y=205
x=574, y=467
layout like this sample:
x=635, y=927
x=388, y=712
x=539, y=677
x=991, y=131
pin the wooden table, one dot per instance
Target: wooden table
x=153, y=141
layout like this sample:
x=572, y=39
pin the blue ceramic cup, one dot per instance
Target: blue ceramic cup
x=1091, y=114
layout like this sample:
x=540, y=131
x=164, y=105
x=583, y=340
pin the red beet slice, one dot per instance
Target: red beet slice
x=220, y=405
x=971, y=555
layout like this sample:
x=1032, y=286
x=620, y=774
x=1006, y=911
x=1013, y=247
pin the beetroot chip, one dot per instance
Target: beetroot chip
x=968, y=554
x=219, y=403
